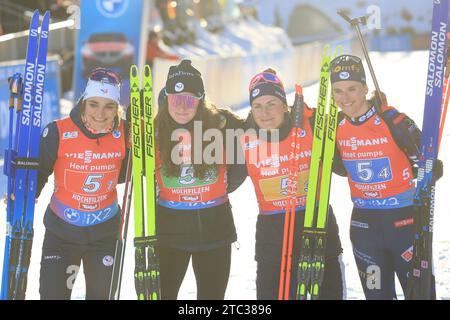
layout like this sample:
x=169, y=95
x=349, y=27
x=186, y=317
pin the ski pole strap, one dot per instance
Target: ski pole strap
x=27, y=163
x=144, y=242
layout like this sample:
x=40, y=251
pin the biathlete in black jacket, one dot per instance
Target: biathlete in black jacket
x=193, y=214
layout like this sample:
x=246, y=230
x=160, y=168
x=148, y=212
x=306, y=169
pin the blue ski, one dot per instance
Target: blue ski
x=420, y=276
x=25, y=164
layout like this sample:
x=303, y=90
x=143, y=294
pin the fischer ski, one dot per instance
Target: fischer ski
x=146, y=272
x=23, y=164
x=421, y=274
x=311, y=262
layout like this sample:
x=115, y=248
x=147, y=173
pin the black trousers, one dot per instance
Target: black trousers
x=211, y=269
x=268, y=247
x=60, y=263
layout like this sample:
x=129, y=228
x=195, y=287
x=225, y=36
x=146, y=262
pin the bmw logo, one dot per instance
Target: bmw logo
x=71, y=215
x=344, y=75
x=112, y=8
x=116, y=134
x=45, y=132
x=303, y=134
x=255, y=92
x=179, y=87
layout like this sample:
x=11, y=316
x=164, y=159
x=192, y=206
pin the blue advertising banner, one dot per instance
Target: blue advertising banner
x=110, y=37
x=50, y=111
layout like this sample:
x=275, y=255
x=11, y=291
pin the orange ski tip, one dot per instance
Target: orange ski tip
x=298, y=89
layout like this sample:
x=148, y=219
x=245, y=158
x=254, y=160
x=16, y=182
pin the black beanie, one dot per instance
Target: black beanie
x=266, y=83
x=347, y=68
x=185, y=78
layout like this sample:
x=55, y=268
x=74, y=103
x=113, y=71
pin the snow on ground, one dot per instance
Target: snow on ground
x=401, y=76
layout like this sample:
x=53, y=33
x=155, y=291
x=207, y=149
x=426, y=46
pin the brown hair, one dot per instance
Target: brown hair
x=207, y=113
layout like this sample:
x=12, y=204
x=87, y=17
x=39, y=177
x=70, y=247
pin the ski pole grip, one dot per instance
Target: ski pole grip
x=345, y=17
x=354, y=22
x=297, y=109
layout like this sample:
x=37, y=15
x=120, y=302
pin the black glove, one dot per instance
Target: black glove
x=438, y=170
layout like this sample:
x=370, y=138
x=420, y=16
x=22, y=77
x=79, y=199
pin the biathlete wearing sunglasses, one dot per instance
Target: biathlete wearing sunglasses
x=87, y=154
x=193, y=213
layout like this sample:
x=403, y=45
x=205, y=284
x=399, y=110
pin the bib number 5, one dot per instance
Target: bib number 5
x=92, y=183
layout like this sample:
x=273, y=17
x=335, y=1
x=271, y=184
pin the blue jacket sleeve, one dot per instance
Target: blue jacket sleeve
x=405, y=133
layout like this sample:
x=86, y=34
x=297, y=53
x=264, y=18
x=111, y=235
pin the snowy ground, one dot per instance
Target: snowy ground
x=401, y=76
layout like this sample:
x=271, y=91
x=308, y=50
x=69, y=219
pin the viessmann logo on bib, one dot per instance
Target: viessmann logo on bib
x=88, y=155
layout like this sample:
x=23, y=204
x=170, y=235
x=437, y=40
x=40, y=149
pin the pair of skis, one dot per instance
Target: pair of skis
x=142, y=154
x=420, y=277
x=21, y=160
x=311, y=262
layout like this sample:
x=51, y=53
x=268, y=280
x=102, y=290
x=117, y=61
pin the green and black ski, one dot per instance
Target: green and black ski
x=312, y=253
x=146, y=273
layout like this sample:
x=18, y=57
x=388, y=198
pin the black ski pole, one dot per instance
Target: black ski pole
x=355, y=24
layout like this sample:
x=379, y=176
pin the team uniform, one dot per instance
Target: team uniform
x=377, y=154
x=376, y=150
x=194, y=219
x=193, y=213
x=267, y=163
x=82, y=219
